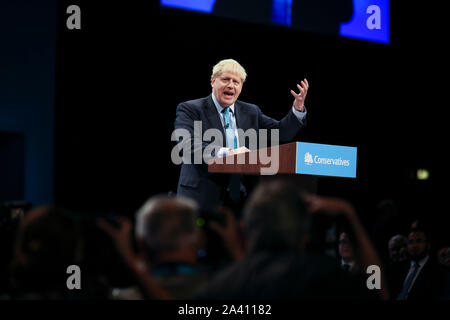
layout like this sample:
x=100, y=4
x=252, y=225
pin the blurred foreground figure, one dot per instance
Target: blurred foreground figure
x=168, y=236
x=167, y=264
x=48, y=242
x=277, y=221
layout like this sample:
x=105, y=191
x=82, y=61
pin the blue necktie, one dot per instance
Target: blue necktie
x=404, y=293
x=229, y=130
x=235, y=180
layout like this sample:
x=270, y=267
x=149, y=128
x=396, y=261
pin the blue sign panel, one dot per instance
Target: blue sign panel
x=326, y=160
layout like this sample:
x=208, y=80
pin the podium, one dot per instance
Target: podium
x=302, y=162
x=292, y=158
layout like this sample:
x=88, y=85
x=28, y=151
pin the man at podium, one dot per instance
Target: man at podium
x=221, y=110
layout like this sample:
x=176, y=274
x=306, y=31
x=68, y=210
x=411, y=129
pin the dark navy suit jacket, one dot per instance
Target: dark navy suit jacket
x=427, y=286
x=208, y=189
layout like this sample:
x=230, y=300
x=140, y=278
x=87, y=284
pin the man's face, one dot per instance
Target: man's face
x=226, y=88
x=444, y=257
x=417, y=245
x=345, y=247
x=397, y=251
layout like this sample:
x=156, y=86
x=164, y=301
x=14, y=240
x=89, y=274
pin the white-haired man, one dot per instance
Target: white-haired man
x=223, y=111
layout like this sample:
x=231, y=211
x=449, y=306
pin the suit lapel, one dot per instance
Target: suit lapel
x=242, y=119
x=212, y=115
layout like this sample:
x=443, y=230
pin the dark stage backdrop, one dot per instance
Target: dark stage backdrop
x=120, y=78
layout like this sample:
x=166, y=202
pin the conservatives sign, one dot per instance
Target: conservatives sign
x=326, y=160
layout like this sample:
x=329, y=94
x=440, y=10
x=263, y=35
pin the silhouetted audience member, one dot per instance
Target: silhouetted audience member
x=10, y=216
x=444, y=261
x=167, y=233
x=347, y=254
x=388, y=223
x=169, y=240
x=444, y=257
x=419, y=278
x=397, y=248
x=397, y=256
x=48, y=242
x=277, y=226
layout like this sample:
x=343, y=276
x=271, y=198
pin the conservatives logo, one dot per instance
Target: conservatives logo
x=326, y=160
x=308, y=159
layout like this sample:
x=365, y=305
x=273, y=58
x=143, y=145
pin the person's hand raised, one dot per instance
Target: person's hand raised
x=330, y=205
x=229, y=233
x=299, y=101
x=121, y=235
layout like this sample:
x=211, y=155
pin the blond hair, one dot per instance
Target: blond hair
x=229, y=65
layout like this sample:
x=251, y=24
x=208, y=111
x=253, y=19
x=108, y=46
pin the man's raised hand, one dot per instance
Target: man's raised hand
x=299, y=101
